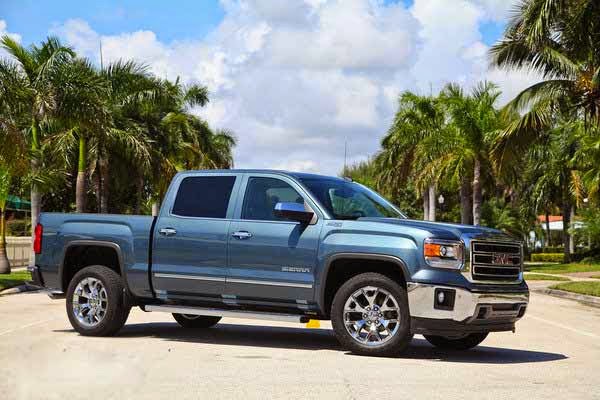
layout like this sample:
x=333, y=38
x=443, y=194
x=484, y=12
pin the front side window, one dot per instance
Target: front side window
x=204, y=196
x=349, y=200
x=261, y=196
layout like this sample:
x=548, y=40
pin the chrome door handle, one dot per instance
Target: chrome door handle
x=167, y=231
x=241, y=235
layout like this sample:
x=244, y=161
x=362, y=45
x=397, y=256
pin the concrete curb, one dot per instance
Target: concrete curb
x=19, y=289
x=582, y=298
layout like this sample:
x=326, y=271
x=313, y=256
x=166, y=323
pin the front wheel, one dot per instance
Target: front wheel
x=465, y=342
x=196, y=321
x=370, y=315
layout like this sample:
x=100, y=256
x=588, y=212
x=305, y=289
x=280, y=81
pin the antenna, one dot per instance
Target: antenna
x=101, y=60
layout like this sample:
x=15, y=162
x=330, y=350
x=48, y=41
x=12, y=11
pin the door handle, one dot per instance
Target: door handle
x=241, y=235
x=167, y=231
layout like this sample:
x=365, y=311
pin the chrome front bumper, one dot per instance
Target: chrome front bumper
x=469, y=307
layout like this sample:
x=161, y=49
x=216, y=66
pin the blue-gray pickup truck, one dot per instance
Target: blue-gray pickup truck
x=285, y=246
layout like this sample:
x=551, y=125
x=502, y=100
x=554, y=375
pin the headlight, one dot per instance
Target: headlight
x=443, y=253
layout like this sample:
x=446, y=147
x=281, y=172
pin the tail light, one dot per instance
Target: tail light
x=37, y=239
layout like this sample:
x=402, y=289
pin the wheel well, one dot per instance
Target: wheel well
x=341, y=270
x=81, y=256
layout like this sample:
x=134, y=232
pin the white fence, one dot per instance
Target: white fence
x=18, y=250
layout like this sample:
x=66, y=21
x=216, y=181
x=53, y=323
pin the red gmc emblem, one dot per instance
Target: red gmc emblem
x=501, y=259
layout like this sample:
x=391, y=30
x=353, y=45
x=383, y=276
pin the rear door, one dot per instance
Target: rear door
x=271, y=258
x=190, y=238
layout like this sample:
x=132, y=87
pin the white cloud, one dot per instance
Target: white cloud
x=296, y=79
x=4, y=31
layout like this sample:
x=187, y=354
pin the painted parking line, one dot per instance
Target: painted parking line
x=26, y=326
x=566, y=327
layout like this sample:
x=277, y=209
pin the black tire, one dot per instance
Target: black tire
x=392, y=346
x=464, y=343
x=117, y=304
x=196, y=321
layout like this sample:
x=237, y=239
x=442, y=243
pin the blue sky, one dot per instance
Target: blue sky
x=178, y=20
x=293, y=80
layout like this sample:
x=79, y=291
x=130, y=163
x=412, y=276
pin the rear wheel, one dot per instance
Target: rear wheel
x=96, y=302
x=466, y=342
x=196, y=321
x=370, y=315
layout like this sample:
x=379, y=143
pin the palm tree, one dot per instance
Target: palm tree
x=410, y=146
x=35, y=68
x=557, y=39
x=475, y=122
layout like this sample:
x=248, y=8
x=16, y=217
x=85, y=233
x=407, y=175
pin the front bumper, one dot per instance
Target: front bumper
x=471, y=311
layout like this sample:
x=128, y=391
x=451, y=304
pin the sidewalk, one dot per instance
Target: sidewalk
x=543, y=287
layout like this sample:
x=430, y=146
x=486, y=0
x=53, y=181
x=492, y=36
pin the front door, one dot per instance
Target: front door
x=190, y=240
x=271, y=258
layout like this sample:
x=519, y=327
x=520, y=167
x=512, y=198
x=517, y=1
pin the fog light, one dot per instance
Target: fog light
x=441, y=297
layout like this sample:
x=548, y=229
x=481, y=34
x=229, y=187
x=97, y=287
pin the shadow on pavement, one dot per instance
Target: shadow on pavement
x=324, y=339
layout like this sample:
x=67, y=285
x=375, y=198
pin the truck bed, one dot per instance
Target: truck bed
x=131, y=233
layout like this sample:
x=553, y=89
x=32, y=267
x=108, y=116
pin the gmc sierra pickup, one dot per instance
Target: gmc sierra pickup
x=285, y=246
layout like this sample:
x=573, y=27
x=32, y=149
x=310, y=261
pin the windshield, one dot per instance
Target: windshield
x=350, y=200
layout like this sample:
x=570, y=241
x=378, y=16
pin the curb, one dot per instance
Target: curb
x=582, y=298
x=19, y=289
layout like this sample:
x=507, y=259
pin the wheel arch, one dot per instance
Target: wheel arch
x=389, y=265
x=78, y=248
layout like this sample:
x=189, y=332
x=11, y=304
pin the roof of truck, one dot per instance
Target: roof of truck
x=297, y=175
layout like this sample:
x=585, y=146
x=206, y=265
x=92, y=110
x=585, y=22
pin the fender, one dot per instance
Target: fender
x=364, y=256
x=98, y=243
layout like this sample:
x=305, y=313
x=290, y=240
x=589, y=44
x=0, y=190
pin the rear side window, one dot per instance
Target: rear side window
x=204, y=196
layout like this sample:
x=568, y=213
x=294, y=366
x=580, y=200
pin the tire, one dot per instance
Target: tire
x=110, y=306
x=196, y=321
x=465, y=343
x=372, y=334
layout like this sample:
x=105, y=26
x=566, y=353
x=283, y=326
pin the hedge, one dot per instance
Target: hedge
x=550, y=249
x=18, y=227
x=548, y=257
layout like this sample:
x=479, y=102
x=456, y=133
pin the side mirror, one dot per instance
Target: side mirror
x=294, y=211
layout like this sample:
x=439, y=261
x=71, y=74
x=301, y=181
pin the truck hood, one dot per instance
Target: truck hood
x=448, y=230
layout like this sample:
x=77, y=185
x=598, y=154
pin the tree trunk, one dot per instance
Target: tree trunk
x=97, y=187
x=432, y=202
x=477, y=195
x=155, y=208
x=80, y=186
x=104, y=178
x=548, y=233
x=425, y=205
x=4, y=263
x=466, y=208
x=566, y=212
x=571, y=236
x=36, y=197
x=140, y=194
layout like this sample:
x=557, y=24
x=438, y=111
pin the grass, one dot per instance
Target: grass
x=14, y=279
x=586, y=287
x=563, y=268
x=542, y=277
x=595, y=276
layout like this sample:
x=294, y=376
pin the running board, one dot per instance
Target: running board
x=215, y=312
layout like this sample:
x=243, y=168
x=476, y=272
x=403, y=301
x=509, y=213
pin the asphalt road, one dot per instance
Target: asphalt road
x=555, y=354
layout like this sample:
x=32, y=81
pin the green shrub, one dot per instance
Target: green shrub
x=18, y=227
x=551, y=249
x=548, y=257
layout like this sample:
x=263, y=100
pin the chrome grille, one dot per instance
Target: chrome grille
x=495, y=261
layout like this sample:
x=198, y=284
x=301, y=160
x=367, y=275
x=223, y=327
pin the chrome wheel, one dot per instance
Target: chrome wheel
x=371, y=316
x=90, y=302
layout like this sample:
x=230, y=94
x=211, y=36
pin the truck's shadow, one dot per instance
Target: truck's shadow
x=323, y=339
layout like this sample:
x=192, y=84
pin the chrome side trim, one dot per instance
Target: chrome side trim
x=194, y=277
x=270, y=283
x=228, y=313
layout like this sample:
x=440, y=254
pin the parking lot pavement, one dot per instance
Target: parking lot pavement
x=554, y=354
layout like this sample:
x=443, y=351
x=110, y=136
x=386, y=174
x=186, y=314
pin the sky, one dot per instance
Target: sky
x=294, y=80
